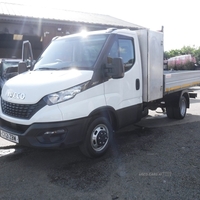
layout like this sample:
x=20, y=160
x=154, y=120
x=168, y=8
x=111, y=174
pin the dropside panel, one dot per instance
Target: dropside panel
x=179, y=80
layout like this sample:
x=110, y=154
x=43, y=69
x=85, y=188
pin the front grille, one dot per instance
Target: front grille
x=22, y=111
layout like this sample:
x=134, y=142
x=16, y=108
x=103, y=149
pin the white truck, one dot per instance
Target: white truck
x=86, y=86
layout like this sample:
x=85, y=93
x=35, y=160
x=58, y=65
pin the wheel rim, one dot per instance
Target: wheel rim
x=99, y=137
x=183, y=107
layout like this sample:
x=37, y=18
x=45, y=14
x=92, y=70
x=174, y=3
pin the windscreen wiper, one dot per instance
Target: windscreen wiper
x=45, y=68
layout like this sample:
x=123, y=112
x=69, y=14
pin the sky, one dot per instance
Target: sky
x=180, y=18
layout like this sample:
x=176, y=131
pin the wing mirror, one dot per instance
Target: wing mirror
x=114, y=68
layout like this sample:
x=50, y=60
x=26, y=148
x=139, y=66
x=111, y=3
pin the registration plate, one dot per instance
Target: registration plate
x=9, y=136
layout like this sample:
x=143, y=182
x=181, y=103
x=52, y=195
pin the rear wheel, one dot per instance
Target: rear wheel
x=170, y=112
x=98, y=138
x=180, y=110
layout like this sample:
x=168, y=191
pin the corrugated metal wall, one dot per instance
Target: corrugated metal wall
x=12, y=36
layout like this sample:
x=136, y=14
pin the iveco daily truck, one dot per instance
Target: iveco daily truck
x=85, y=86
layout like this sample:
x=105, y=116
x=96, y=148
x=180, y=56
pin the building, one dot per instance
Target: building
x=25, y=22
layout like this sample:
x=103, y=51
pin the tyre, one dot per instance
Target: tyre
x=180, y=110
x=98, y=138
x=170, y=112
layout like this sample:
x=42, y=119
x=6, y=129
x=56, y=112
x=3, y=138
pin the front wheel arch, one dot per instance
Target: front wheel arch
x=107, y=112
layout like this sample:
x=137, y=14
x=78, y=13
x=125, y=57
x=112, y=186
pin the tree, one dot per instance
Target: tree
x=197, y=55
x=172, y=53
x=188, y=50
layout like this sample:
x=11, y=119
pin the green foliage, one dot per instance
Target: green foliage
x=172, y=53
x=197, y=55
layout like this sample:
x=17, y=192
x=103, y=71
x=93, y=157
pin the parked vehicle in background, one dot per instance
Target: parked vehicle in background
x=182, y=62
x=8, y=69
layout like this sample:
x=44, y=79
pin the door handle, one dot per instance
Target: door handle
x=137, y=84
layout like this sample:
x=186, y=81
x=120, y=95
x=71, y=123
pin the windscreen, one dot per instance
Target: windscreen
x=71, y=52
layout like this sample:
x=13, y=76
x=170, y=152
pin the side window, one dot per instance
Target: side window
x=123, y=48
x=114, y=51
x=126, y=52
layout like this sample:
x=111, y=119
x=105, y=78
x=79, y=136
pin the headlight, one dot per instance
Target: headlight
x=64, y=95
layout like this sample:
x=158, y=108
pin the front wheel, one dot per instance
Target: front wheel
x=98, y=137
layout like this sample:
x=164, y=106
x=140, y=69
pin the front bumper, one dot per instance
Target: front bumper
x=48, y=135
